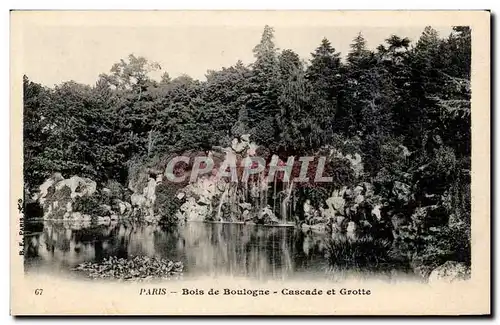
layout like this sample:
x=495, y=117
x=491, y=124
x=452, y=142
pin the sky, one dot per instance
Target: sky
x=53, y=54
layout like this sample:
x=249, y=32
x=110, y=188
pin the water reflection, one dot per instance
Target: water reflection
x=205, y=249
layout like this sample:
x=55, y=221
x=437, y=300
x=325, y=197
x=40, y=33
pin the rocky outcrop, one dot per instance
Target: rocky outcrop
x=142, y=203
x=335, y=204
x=78, y=199
x=352, y=230
x=123, y=208
x=57, y=196
x=266, y=217
x=241, y=144
x=215, y=198
x=353, y=211
x=76, y=185
x=450, y=271
x=198, y=198
x=192, y=211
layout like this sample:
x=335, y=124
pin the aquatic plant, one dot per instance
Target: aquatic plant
x=360, y=253
x=138, y=268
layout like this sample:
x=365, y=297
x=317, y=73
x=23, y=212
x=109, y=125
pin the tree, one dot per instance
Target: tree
x=325, y=70
x=358, y=87
x=263, y=90
x=224, y=93
x=134, y=73
x=34, y=133
x=359, y=54
x=325, y=74
x=288, y=62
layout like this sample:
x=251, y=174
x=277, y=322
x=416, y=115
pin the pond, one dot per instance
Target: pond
x=206, y=249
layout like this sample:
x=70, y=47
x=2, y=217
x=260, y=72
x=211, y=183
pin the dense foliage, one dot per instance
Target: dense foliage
x=404, y=107
x=138, y=268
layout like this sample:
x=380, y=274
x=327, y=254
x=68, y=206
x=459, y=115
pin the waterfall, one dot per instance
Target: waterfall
x=223, y=196
x=286, y=200
x=274, y=195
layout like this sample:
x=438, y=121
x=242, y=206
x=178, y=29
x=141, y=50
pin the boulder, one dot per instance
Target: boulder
x=356, y=163
x=245, y=137
x=121, y=207
x=335, y=229
x=79, y=186
x=246, y=216
x=352, y=229
x=77, y=216
x=149, y=192
x=103, y=219
x=245, y=206
x=450, y=271
x=358, y=195
x=266, y=216
x=138, y=200
x=106, y=209
x=376, y=212
x=327, y=213
x=204, y=190
x=336, y=203
x=57, y=189
x=239, y=146
x=57, y=195
x=43, y=190
x=308, y=209
x=142, y=203
x=204, y=200
x=192, y=211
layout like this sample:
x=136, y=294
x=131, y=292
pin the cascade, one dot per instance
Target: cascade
x=284, y=204
x=223, y=196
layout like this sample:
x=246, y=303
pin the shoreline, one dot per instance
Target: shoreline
x=318, y=229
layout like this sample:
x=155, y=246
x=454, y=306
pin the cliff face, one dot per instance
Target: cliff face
x=350, y=207
x=211, y=197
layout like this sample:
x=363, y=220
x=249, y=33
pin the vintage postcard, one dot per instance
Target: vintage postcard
x=250, y=163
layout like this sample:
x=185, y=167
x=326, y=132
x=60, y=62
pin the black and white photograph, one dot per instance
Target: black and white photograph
x=266, y=152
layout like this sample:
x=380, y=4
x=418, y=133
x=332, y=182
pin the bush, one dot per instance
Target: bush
x=117, y=189
x=90, y=205
x=362, y=253
x=442, y=245
x=166, y=203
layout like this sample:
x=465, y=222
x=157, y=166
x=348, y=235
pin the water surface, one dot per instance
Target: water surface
x=262, y=252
